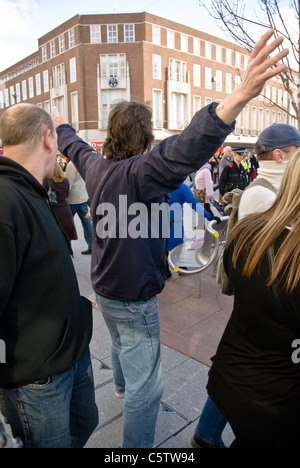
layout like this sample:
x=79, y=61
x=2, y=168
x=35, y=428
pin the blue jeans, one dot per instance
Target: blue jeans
x=58, y=412
x=211, y=424
x=135, y=349
x=82, y=209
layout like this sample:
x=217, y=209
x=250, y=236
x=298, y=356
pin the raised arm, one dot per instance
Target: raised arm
x=261, y=67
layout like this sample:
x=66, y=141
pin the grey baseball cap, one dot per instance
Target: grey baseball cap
x=277, y=136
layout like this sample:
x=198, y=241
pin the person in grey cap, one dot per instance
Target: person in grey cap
x=274, y=147
x=234, y=174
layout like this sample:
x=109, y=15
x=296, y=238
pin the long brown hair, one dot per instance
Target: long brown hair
x=254, y=234
x=129, y=130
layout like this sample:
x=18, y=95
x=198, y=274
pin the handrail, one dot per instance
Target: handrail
x=206, y=254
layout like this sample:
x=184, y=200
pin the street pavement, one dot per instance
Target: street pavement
x=190, y=330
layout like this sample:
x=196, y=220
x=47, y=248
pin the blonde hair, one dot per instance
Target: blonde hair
x=58, y=174
x=255, y=233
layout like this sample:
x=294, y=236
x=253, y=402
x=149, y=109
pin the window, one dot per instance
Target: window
x=24, y=90
x=61, y=43
x=38, y=84
x=228, y=83
x=208, y=50
x=95, y=32
x=253, y=120
x=1, y=100
x=260, y=120
x=237, y=60
x=274, y=94
x=58, y=76
x=46, y=81
x=157, y=108
x=218, y=54
x=18, y=92
x=197, y=103
x=44, y=53
x=112, y=33
x=113, y=65
x=178, y=71
x=196, y=46
x=246, y=120
x=74, y=111
x=156, y=67
x=184, y=43
x=6, y=96
x=197, y=75
x=156, y=34
x=129, y=33
x=179, y=112
x=171, y=39
x=237, y=81
x=52, y=48
x=73, y=77
x=31, y=90
x=268, y=92
x=12, y=95
x=71, y=38
x=208, y=78
x=267, y=118
x=218, y=80
x=279, y=97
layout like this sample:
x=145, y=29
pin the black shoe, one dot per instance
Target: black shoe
x=196, y=442
x=87, y=252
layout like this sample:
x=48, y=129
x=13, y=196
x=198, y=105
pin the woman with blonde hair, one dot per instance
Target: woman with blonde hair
x=255, y=376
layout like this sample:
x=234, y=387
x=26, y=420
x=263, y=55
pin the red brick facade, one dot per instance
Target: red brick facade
x=90, y=61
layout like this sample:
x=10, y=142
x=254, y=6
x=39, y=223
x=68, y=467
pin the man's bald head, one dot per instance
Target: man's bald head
x=25, y=124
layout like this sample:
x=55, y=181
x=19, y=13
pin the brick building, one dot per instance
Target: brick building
x=90, y=61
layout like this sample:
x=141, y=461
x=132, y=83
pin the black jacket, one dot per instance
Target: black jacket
x=254, y=380
x=123, y=267
x=233, y=176
x=45, y=324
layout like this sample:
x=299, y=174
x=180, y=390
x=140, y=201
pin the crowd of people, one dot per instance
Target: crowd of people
x=46, y=384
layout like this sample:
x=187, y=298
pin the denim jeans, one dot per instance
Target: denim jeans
x=211, y=424
x=82, y=209
x=135, y=349
x=58, y=412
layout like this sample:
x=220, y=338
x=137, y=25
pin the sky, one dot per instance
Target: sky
x=24, y=21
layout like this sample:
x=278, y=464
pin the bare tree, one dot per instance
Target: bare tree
x=232, y=18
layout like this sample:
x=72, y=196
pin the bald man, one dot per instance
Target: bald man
x=46, y=381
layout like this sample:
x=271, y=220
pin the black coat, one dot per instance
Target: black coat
x=254, y=379
x=233, y=176
x=45, y=324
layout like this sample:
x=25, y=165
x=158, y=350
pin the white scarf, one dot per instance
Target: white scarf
x=272, y=171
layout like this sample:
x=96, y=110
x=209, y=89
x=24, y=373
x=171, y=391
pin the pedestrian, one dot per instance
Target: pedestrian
x=275, y=145
x=254, y=379
x=46, y=382
x=60, y=184
x=78, y=201
x=234, y=174
x=203, y=182
x=129, y=178
x=225, y=160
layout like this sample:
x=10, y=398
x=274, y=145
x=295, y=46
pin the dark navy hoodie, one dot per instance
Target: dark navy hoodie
x=130, y=268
